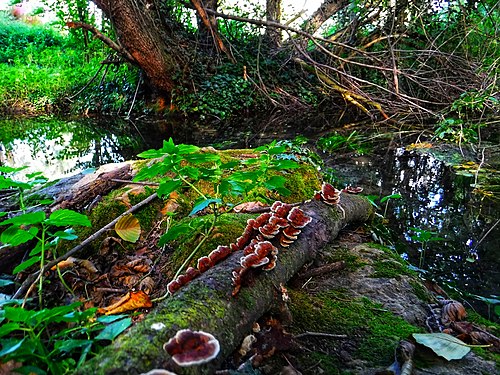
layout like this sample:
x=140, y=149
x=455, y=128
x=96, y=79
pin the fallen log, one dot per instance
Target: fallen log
x=206, y=303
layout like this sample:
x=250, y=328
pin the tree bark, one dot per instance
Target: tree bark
x=142, y=33
x=206, y=303
x=273, y=14
x=322, y=14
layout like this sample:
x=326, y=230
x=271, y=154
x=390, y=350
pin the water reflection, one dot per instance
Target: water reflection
x=60, y=148
x=436, y=200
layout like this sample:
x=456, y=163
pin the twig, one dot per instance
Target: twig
x=135, y=97
x=336, y=266
x=34, y=276
x=320, y=334
x=134, y=182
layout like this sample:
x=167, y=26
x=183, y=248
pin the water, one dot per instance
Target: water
x=60, y=148
x=459, y=227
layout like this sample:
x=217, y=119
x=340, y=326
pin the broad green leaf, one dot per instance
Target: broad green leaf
x=277, y=150
x=11, y=347
x=191, y=172
x=497, y=310
x=26, y=264
x=55, y=314
x=114, y=329
x=37, y=249
x=245, y=176
x=202, y=205
x=187, y=149
x=285, y=164
x=67, y=218
x=7, y=328
x=7, y=169
x=18, y=314
x=6, y=183
x=26, y=219
x=2, y=214
x=4, y=282
x=444, y=345
x=275, y=182
x=70, y=345
x=392, y=196
x=168, y=187
x=155, y=170
x=174, y=232
x=128, y=228
x=15, y=236
x=110, y=318
x=199, y=158
x=68, y=234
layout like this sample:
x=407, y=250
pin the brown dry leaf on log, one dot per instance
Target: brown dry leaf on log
x=131, y=301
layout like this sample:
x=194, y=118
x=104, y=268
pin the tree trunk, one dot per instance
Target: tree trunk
x=206, y=303
x=323, y=13
x=153, y=47
x=273, y=14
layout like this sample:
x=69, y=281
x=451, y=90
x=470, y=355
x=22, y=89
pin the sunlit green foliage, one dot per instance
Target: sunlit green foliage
x=56, y=340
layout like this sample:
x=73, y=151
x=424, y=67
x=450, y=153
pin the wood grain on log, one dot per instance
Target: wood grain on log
x=206, y=303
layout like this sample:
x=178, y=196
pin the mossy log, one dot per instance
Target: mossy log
x=206, y=303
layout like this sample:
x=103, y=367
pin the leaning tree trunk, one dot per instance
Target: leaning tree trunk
x=206, y=303
x=142, y=34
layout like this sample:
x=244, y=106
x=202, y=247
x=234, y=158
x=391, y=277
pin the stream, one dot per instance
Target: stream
x=436, y=220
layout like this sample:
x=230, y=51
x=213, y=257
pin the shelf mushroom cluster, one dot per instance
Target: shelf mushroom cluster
x=282, y=225
x=328, y=194
x=189, y=348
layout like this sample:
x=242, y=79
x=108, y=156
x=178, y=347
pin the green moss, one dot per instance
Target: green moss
x=352, y=261
x=421, y=291
x=374, y=331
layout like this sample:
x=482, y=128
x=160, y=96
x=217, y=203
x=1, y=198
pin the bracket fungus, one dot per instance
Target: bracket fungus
x=189, y=348
x=281, y=225
x=328, y=194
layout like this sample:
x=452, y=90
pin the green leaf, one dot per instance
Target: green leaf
x=7, y=328
x=15, y=236
x=26, y=219
x=68, y=234
x=70, y=345
x=392, y=196
x=11, y=347
x=187, y=149
x=202, y=158
x=4, y=282
x=444, y=345
x=68, y=218
x=26, y=264
x=284, y=164
x=114, y=329
x=174, y=232
x=106, y=319
x=275, y=182
x=7, y=169
x=6, y=183
x=168, y=187
x=202, y=205
x=128, y=228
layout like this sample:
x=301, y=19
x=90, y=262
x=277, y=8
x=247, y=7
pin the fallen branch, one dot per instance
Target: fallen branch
x=206, y=303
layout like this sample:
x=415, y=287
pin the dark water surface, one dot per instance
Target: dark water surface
x=61, y=147
x=435, y=197
x=439, y=201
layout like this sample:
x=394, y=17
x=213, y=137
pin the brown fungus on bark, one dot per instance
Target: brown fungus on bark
x=189, y=348
x=297, y=218
x=328, y=194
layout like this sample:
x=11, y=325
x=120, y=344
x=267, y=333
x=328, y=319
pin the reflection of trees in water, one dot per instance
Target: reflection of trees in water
x=438, y=200
x=67, y=146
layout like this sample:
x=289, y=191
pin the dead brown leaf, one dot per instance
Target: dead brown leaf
x=129, y=302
